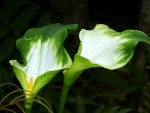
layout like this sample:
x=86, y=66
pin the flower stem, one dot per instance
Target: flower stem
x=28, y=107
x=63, y=98
x=70, y=76
x=29, y=104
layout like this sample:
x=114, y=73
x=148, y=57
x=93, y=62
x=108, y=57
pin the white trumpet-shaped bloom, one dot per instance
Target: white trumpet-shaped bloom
x=107, y=48
x=43, y=56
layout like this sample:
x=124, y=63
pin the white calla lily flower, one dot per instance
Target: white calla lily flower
x=43, y=56
x=107, y=48
x=101, y=47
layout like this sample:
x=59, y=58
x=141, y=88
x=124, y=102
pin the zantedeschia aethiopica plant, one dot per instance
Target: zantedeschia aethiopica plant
x=102, y=47
x=43, y=56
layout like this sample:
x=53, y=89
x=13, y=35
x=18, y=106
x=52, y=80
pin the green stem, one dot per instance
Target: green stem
x=70, y=77
x=28, y=108
x=63, y=98
x=29, y=104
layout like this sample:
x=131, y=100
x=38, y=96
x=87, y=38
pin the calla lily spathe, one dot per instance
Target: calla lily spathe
x=103, y=47
x=107, y=48
x=43, y=56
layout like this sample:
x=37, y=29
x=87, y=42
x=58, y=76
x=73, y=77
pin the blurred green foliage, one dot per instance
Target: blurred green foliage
x=126, y=90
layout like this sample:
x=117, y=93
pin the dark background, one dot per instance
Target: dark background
x=97, y=90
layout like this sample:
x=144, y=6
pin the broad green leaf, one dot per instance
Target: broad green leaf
x=43, y=55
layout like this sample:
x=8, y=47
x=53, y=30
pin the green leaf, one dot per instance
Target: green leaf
x=99, y=109
x=127, y=110
x=112, y=110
